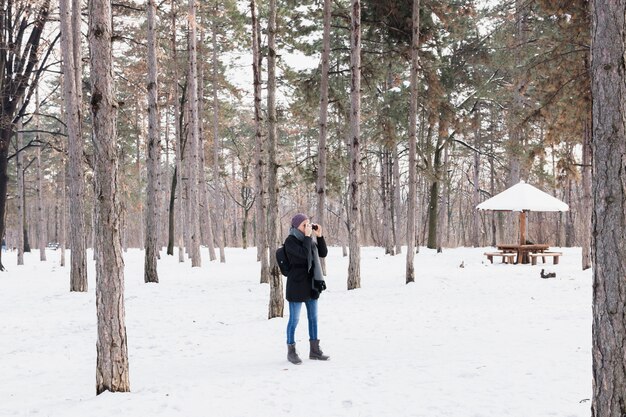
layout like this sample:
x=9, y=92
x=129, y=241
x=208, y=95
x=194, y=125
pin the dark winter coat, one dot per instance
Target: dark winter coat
x=300, y=278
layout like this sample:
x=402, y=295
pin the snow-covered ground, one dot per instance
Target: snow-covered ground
x=483, y=340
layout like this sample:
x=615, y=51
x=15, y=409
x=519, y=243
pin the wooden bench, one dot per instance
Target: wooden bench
x=507, y=257
x=555, y=257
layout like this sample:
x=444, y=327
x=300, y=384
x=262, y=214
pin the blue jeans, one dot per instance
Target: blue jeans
x=294, y=317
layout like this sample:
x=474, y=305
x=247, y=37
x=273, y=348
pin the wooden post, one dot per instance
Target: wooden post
x=522, y=227
x=522, y=256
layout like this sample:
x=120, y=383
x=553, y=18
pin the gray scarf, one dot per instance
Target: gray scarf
x=314, y=260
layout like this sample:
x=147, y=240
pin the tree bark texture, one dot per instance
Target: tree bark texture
x=153, y=152
x=259, y=154
x=194, y=201
x=411, y=198
x=216, y=137
x=176, y=214
x=41, y=217
x=206, y=227
x=323, y=122
x=586, y=203
x=395, y=217
x=434, y=220
x=354, y=217
x=78, y=268
x=276, y=303
x=476, y=228
x=61, y=201
x=21, y=205
x=112, y=351
x=608, y=87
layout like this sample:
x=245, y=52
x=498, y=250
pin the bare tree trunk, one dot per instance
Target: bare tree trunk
x=476, y=177
x=206, y=225
x=181, y=190
x=21, y=206
x=164, y=174
x=569, y=217
x=323, y=122
x=216, y=138
x=586, y=203
x=41, y=221
x=261, y=208
x=176, y=199
x=433, y=207
x=608, y=88
x=61, y=210
x=41, y=218
x=194, y=221
x=112, y=350
x=492, y=191
x=411, y=198
x=442, y=214
x=78, y=271
x=154, y=153
x=276, y=304
x=354, y=217
x=387, y=200
x=397, y=201
x=77, y=51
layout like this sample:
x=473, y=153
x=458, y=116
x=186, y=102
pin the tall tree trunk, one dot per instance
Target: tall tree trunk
x=411, y=198
x=259, y=155
x=154, y=153
x=194, y=159
x=60, y=178
x=182, y=185
x=41, y=217
x=216, y=136
x=586, y=203
x=492, y=192
x=176, y=215
x=71, y=96
x=385, y=189
x=476, y=227
x=26, y=217
x=127, y=210
x=569, y=217
x=206, y=225
x=515, y=145
x=21, y=204
x=323, y=122
x=520, y=79
x=276, y=304
x=171, y=212
x=433, y=206
x=112, y=350
x=442, y=219
x=354, y=217
x=608, y=88
x=397, y=201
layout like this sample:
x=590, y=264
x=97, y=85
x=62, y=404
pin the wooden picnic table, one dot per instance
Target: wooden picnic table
x=523, y=250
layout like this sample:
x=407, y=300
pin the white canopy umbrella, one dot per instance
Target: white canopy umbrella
x=523, y=197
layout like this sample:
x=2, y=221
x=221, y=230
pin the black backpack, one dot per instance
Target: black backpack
x=283, y=260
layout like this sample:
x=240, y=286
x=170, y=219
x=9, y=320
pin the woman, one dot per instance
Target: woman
x=305, y=282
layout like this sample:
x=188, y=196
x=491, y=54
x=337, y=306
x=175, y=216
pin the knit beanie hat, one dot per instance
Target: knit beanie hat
x=298, y=219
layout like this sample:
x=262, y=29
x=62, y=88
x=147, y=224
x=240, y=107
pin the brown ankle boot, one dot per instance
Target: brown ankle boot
x=315, y=352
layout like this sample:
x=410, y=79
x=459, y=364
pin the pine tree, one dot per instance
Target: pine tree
x=112, y=350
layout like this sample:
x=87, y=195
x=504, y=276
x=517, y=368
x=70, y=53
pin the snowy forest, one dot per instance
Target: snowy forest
x=503, y=95
x=185, y=128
